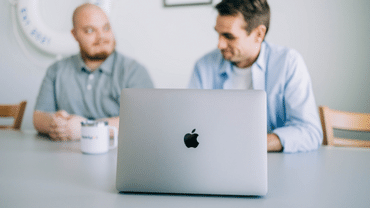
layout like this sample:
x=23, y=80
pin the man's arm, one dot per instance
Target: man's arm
x=45, y=108
x=135, y=76
x=41, y=121
x=195, y=79
x=301, y=130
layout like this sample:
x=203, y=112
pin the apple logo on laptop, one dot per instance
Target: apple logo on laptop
x=191, y=139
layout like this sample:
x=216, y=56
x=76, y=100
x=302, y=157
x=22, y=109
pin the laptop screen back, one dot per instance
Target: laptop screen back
x=192, y=142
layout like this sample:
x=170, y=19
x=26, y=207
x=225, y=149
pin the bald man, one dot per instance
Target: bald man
x=86, y=85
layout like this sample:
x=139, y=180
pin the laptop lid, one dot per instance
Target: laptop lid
x=186, y=141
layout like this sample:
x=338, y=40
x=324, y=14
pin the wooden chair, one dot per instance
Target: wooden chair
x=334, y=119
x=15, y=111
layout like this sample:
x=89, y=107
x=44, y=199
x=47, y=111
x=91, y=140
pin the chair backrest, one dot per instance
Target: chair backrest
x=334, y=119
x=15, y=111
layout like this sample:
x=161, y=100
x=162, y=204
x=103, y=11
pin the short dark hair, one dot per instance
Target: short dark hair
x=255, y=12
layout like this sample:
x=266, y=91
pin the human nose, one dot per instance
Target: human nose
x=221, y=43
x=99, y=35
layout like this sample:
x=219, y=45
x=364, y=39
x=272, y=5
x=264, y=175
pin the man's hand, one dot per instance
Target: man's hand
x=62, y=114
x=74, y=126
x=273, y=143
x=59, y=125
x=65, y=127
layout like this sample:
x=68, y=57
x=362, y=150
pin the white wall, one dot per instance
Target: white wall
x=331, y=35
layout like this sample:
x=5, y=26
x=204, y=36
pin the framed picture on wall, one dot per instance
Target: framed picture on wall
x=177, y=3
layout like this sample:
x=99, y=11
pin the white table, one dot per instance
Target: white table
x=36, y=172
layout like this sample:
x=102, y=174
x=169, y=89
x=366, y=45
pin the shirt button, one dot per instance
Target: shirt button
x=89, y=87
x=91, y=76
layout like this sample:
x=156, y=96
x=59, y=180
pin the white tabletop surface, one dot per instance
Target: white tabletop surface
x=36, y=172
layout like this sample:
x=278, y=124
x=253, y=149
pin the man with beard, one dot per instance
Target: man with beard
x=86, y=85
x=245, y=61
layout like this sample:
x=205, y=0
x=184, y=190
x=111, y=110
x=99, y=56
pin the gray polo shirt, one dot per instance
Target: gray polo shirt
x=69, y=85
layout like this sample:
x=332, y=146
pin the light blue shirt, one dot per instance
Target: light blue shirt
x=281, y=72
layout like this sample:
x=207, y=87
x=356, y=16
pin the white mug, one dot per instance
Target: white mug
x=95, y=137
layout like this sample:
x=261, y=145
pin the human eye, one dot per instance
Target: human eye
x=89, y=30
x=229, y=36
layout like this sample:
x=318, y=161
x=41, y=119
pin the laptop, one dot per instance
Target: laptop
x=187, y=141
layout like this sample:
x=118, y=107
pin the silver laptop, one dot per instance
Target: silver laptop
x=183, y=141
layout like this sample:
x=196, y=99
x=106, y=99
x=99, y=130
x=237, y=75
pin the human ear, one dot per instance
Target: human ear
x=73, y=31
x=260, y=33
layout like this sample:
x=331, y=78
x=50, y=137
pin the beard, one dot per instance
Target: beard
x=101, y=56
x=95, y=57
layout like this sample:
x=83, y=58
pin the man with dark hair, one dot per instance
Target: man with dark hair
x=244, y=60
x=87, y=85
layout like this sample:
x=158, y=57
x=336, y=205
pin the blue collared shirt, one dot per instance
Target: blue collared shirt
x=71, y=86
x=281, y=72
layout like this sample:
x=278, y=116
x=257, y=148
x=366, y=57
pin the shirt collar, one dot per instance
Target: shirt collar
x=106, y=66
x=80, y=63
x=261, y=60
x=226, y=66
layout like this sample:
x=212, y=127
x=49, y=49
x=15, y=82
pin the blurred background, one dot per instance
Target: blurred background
x=331, y=35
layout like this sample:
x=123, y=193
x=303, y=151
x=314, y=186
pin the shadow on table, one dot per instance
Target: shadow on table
x=68, y=146
x=189, y=195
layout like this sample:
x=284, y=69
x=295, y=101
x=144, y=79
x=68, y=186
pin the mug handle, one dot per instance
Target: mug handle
x=115, y=138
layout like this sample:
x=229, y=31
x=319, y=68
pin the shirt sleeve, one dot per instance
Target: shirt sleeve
x=195, y=79
x=302, y=129
x=138, y=77
x=46, y=100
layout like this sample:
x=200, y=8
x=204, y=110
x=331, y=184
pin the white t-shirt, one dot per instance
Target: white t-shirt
x=241, y=79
